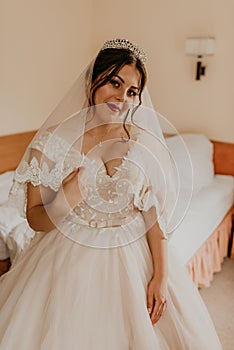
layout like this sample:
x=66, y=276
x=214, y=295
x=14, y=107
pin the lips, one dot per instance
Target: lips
x=113, y=107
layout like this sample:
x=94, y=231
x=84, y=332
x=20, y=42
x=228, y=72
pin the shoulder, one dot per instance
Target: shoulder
x=51, y=144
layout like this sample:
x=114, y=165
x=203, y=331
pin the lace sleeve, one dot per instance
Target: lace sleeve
x=45, y=163
x=40, y=173
x=145, y=199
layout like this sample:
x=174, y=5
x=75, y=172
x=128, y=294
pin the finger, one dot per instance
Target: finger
x=161, y=309
x=156, y=319
x=71, y=175
x=155, y=310
x=164, y=308
x=150, y=301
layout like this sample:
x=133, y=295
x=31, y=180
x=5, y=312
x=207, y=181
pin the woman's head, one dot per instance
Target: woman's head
x=110, y=66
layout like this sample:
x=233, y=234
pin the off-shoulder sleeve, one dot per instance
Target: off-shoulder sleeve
x=49, y=159
x=46, y=164
x=145, y=198
x=40, y=173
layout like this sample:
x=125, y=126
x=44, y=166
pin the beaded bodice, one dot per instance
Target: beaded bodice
x=108, y=197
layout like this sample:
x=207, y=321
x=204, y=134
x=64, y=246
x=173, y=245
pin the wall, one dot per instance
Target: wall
x=161, y=27
x=44, y=46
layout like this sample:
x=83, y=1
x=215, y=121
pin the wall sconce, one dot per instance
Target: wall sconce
x=200, y=46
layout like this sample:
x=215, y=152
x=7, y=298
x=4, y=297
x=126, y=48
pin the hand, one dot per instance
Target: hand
x=156, y=299
x=73, y=188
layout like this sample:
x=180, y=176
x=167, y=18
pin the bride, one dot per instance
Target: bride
x=97, y=185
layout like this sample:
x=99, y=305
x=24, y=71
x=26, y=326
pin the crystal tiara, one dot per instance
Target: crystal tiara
x=125, y=44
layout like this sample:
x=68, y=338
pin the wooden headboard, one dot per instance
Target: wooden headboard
x=223, y=158
x=12, y=148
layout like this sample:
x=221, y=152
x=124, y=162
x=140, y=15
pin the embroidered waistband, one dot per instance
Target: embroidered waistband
x=117, y=222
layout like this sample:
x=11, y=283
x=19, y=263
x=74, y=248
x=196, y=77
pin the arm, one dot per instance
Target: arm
x=157, y=287
x=43, y=215
x=40, y=215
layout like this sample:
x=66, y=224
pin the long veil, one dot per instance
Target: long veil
x=50, y=156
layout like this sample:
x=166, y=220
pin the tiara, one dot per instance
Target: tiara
x=125, y=44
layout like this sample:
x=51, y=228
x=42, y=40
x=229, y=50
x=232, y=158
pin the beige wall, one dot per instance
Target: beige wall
x=161, y=27
x=45, y=44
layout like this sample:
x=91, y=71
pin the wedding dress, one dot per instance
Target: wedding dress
x=83, y=286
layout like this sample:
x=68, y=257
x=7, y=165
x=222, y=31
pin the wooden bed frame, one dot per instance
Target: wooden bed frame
x=12, y=148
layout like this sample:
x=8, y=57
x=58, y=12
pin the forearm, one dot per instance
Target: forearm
x=159, y=250
x=158, y=245
x=44, y=218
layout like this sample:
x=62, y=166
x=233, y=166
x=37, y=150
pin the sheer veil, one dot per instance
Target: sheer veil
x=51, y=155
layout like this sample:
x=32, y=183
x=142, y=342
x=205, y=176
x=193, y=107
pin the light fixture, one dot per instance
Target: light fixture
x=200, y=46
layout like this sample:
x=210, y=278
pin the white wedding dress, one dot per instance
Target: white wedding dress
x=85, y=288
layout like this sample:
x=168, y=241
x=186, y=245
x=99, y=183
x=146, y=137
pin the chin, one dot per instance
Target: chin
x=106, y=115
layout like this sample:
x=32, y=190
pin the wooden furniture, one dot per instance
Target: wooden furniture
x=12, y=148
x=223, y=158
x=231, y=241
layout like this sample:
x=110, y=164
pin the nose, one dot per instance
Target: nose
x=121, y=96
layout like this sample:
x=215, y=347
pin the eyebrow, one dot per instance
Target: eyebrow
x=132, y=87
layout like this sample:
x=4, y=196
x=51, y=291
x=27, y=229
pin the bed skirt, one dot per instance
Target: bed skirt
x=209, y=257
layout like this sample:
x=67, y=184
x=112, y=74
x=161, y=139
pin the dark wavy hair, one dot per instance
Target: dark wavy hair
x=107, y=65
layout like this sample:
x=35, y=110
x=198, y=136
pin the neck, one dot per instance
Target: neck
x=104, y=129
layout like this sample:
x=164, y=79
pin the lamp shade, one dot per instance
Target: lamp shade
x=200, y=46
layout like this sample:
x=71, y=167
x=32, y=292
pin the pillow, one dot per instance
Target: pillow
x=18, y=239
x=6, y=180
x=198, y=168
x=9, y=218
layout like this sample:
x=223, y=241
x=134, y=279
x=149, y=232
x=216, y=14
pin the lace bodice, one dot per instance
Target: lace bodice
x=108, y=197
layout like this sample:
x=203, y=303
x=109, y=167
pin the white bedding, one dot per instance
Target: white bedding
x=6, y=180
x=15, y=232
x=207, y=209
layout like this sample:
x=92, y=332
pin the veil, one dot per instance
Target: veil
x=54, y=151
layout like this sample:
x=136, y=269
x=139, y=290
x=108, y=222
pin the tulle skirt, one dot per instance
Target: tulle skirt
x=60, y=295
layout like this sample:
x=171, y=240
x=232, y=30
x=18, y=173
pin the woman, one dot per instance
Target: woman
x=99, y=186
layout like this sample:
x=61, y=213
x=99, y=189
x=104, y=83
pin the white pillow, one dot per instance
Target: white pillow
x=6, y=180
x=18, y=239
x=9, y=218
x=200, y=151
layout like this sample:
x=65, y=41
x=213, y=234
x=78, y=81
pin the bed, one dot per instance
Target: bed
x=203, y=237
x=15, y=233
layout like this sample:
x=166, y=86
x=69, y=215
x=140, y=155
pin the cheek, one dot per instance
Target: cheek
x=97, y=97
x=100, y=95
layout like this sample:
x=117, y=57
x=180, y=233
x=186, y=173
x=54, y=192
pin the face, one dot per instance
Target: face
x=120, y=93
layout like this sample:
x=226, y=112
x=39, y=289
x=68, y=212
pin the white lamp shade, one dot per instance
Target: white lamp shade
x=200, y=46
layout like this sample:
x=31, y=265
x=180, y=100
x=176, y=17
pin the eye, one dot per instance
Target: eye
x=132, y=93
x=115, y=83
